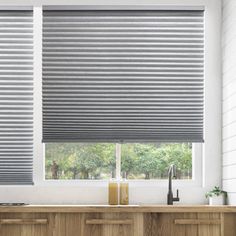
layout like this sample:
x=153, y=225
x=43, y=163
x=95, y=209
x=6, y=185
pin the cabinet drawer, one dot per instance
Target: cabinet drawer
x=112, y=224
x=24, y=224
x=179, y=224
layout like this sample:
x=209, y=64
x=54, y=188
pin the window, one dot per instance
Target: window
x=134, y=77
x=135, y=160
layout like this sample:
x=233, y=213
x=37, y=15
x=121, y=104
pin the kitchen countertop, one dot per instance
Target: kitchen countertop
x=119, y=208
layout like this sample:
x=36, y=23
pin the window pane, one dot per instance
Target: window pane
x=151, y=161
x=80, y=160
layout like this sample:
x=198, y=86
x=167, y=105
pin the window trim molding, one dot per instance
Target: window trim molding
x=38, y=162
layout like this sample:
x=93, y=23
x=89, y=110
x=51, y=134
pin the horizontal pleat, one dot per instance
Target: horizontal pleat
x=123, y=75
x=16, y=97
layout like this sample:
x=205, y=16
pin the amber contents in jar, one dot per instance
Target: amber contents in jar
x=124, y=193
x=113, y=193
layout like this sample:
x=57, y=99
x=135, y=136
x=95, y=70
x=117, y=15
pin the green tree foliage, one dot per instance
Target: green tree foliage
x=138, y=161
x=128, y=160
x=147, y=161
x=80, y=160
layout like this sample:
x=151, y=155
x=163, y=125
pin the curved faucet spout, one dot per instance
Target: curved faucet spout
x=172, y=171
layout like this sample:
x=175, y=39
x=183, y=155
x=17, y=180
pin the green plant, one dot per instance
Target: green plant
x=216, y=191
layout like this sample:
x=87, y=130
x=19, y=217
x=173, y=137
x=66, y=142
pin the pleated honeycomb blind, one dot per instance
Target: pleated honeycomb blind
x=16, y=97
x=123, y=75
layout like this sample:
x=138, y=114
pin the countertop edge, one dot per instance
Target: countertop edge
x=107, y=208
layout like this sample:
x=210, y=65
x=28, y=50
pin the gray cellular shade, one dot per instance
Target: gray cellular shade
x=16, y=97
x=123, y=75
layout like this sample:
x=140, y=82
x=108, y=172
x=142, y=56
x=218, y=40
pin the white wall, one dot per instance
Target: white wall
x=96, y=193
x=229, y=98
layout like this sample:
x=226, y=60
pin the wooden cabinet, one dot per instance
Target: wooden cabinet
x=98, y=224
x=113, y=224
x=66, y=224
x=117, y=221
x=24, y=224
x=183, y=224
x=229, y=224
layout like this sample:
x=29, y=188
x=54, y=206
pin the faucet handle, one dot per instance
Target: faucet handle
x=176, y=199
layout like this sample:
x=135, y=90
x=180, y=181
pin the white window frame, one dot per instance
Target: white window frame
x=39, y=152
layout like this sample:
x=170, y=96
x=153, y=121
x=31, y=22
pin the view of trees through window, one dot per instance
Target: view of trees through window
x=98, y=160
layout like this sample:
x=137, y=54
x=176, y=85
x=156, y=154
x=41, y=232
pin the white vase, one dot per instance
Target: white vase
x=217, y=200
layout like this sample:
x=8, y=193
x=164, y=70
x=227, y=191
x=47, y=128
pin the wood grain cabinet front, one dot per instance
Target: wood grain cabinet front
x=117, y=224
x=24, y=224
x=135, y=224
x=97, y=224
x=112, y=224
x=183, y=224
